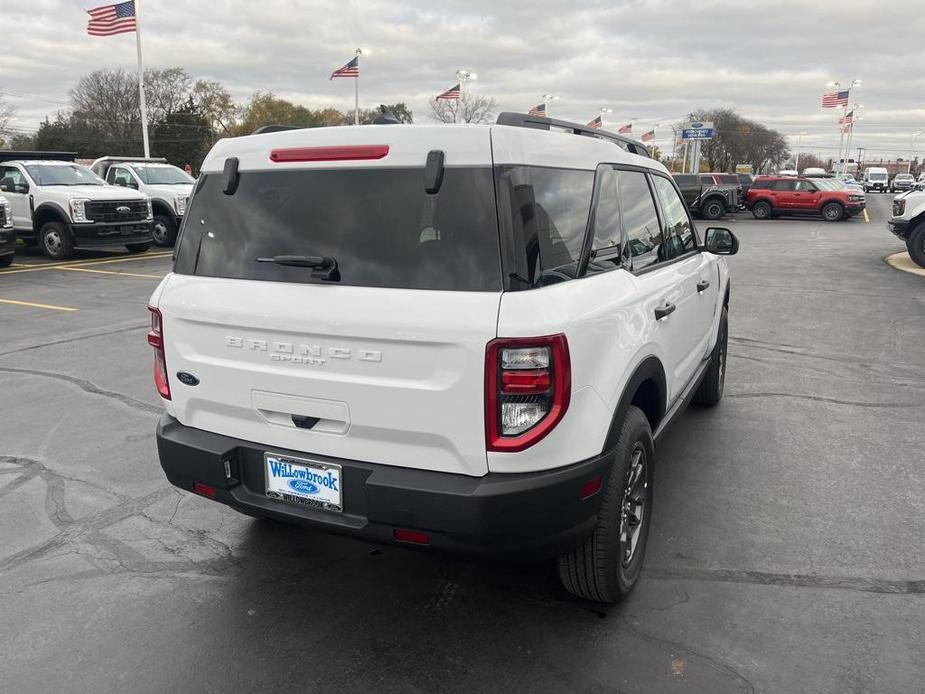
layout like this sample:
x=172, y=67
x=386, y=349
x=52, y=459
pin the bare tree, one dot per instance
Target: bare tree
x=7, y=111
x=109, y=100
x=214, y=102
x=166, y=91
x=470, y=108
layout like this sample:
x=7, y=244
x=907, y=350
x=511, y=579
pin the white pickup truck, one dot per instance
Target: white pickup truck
x=168, y=187
x=60, y=205
x=7, y=233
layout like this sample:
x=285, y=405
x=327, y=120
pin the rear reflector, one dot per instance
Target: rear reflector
x=414, y=536
x=346, y=153
x=591, y=487
x=204, y=489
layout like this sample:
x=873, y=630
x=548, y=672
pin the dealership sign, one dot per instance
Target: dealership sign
x=697, y=130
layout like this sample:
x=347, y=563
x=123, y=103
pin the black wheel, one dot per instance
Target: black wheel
x=6, y=260
x=710, y=391
x=713, y=209
x=164, y=231
x=761, y=210
x=607, y=566
x=56, y=241
x=138, y=247
x=833, y=212
x=916, y=245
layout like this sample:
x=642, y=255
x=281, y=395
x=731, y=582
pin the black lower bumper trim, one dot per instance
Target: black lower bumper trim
x=111, y=234
x=540, y=512
x=899, y=228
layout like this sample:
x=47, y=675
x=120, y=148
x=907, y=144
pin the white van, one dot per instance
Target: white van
x=875, y=178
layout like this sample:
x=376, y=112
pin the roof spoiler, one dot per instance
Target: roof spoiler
x=523, y=120
x=12, y=155
x=264, y=129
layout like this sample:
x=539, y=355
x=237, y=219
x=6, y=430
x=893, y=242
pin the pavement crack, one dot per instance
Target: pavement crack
x=864, y=585
x=68, y=340
x=89, y=387
x=833, y=401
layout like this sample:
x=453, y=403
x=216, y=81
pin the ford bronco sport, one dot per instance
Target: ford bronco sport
x=459, y=337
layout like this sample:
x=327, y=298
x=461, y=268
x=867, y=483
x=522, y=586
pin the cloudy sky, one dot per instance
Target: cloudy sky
x=652, y=60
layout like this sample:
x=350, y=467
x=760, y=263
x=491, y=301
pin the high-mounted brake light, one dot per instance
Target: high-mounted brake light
x=344, y=153
x=527, y=389
x=156, y=340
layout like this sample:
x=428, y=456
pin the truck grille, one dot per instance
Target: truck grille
x=107, y=211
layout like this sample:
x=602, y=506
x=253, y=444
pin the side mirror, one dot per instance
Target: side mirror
x=21, y=188
x=721, y=241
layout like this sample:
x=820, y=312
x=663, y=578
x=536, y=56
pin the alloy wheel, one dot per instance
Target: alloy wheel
x=633, y=510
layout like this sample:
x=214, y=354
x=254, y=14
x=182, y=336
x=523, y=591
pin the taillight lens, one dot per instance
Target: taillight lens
x=156, y=340
x=527, y=389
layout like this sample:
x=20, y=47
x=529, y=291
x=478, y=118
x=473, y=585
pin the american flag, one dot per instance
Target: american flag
x=538, y=110
x=628, y=128
x=451, y=94
x=351, y=69
x=649, y=136
x=107, y=20
x=596, y=123
x=833, y=99
x=846, y=119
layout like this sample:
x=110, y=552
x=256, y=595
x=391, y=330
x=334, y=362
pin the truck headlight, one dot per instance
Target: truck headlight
x=150, y=208
x=79, y=211
x=179, y=204
x=6, y=215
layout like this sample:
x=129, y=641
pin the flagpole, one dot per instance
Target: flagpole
x=356, y=91
x=141, y=81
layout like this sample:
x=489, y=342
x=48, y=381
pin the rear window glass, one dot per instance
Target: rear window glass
x=729, y=178
x=380, y=226
x=761, y=184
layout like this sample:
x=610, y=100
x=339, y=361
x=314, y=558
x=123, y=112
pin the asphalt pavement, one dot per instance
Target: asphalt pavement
x=787, y=552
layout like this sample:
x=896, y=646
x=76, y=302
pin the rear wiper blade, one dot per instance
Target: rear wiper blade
x=324, y=266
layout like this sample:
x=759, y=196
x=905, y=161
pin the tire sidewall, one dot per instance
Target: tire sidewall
x=765, y=210
x=713, y=210
x=64, y=250
x=833, y=218
x=915, y=244
x=170, y=235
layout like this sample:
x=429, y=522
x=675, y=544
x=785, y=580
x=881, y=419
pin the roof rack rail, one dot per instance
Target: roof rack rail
x=264, y=129
x=524, y=120
x=12, y=155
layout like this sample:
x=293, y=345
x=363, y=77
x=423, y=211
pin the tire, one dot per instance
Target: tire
x=714, y=209
x=915, y=244
x=710, y=391
x=138, y=247
x=164, y=230
x=597, y=569
x=833, y=212
x=6, y=260
x=761, y=210
x=56, y=241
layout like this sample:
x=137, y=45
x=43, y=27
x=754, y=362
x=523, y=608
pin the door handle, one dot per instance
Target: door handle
x=663, y=311
x=702, y=286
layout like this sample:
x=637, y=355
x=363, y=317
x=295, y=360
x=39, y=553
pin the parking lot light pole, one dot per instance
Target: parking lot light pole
x=914, y=135
x=547, y=99
x=799, y=150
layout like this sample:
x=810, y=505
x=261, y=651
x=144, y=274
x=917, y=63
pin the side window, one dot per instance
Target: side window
x=805, y=187
x=783, y=185
x=677, y=222
x=111, y=174
x=605, y=249
x=121, y=176
x=707, y=180
x=644, y=235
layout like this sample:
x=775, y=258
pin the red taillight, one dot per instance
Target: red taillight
x=345, y=153
x=204, y=489
x=413, y=536
x=527, y=389
x=156, y=340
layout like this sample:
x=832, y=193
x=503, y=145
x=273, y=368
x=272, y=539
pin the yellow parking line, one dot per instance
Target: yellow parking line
x=34, y=305
x=111, y=272
x=83, y=263
x=866, y=218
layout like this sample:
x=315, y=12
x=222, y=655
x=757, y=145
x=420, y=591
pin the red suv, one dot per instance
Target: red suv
x=770, y=196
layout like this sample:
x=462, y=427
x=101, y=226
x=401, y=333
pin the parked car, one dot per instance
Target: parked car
x=908, y=223
x=494, y=407
x=706, y=198
x=745, y=183
x=875, y=178
x=168, y=186
x=772, y=196
x=902, y=182
x=60, y=205
x=7, y=233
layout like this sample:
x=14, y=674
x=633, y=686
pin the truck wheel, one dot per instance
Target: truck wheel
x=6, y=260
x=833, y=212
x=761, y=210
x=916, y=245
x=607, y=565
x=714, y=209
x=56, y=241
x=710, y=391
x=164, y=230
x=138, y=247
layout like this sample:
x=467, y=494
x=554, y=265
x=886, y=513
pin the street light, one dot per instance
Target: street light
x=466, y=75
x=547, y=98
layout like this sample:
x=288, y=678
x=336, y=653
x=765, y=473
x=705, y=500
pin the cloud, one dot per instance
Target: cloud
x=654, y=60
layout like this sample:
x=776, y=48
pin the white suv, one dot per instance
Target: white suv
x=461, y=337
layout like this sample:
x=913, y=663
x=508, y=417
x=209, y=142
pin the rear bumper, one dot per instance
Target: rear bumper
x=540, y=512
x=115, y=234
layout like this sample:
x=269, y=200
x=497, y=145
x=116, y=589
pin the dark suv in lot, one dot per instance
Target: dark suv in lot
x=708, y=197
x=771, y=196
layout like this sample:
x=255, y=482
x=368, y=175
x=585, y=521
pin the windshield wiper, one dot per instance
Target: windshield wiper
x=324, y=266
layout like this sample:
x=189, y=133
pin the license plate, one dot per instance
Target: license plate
x=304, y=482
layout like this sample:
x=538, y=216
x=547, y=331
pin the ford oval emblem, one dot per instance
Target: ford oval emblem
x=696, y=125
x=187, y=379
x=122, y=209
x=303, y=487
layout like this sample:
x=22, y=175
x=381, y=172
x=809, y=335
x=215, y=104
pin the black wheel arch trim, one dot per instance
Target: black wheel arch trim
x=160, y=207
x=54, y=208
x=650, y=369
